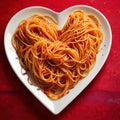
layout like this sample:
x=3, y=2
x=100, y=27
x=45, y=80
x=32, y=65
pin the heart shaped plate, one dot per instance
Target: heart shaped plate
x=56, y=106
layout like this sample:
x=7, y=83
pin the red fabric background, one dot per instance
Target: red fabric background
x=99, y=101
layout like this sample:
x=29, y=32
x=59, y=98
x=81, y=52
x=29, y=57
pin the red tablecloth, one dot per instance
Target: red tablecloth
x=99, y=101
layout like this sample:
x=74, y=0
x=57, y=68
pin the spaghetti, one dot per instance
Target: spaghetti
x=58, y=59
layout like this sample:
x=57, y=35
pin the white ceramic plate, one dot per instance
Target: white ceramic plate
x=58, y=105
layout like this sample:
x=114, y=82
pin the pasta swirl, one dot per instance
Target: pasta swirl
x=58, y=59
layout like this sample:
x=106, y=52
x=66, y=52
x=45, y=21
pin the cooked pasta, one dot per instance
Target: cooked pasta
x=58, y=59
